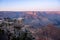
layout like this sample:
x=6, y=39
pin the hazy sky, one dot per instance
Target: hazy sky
x=29, y=5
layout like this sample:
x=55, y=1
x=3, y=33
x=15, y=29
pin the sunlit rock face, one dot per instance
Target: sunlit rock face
x=42, y=25
x=35, y=18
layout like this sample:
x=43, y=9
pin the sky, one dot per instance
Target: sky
x=29, y=5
